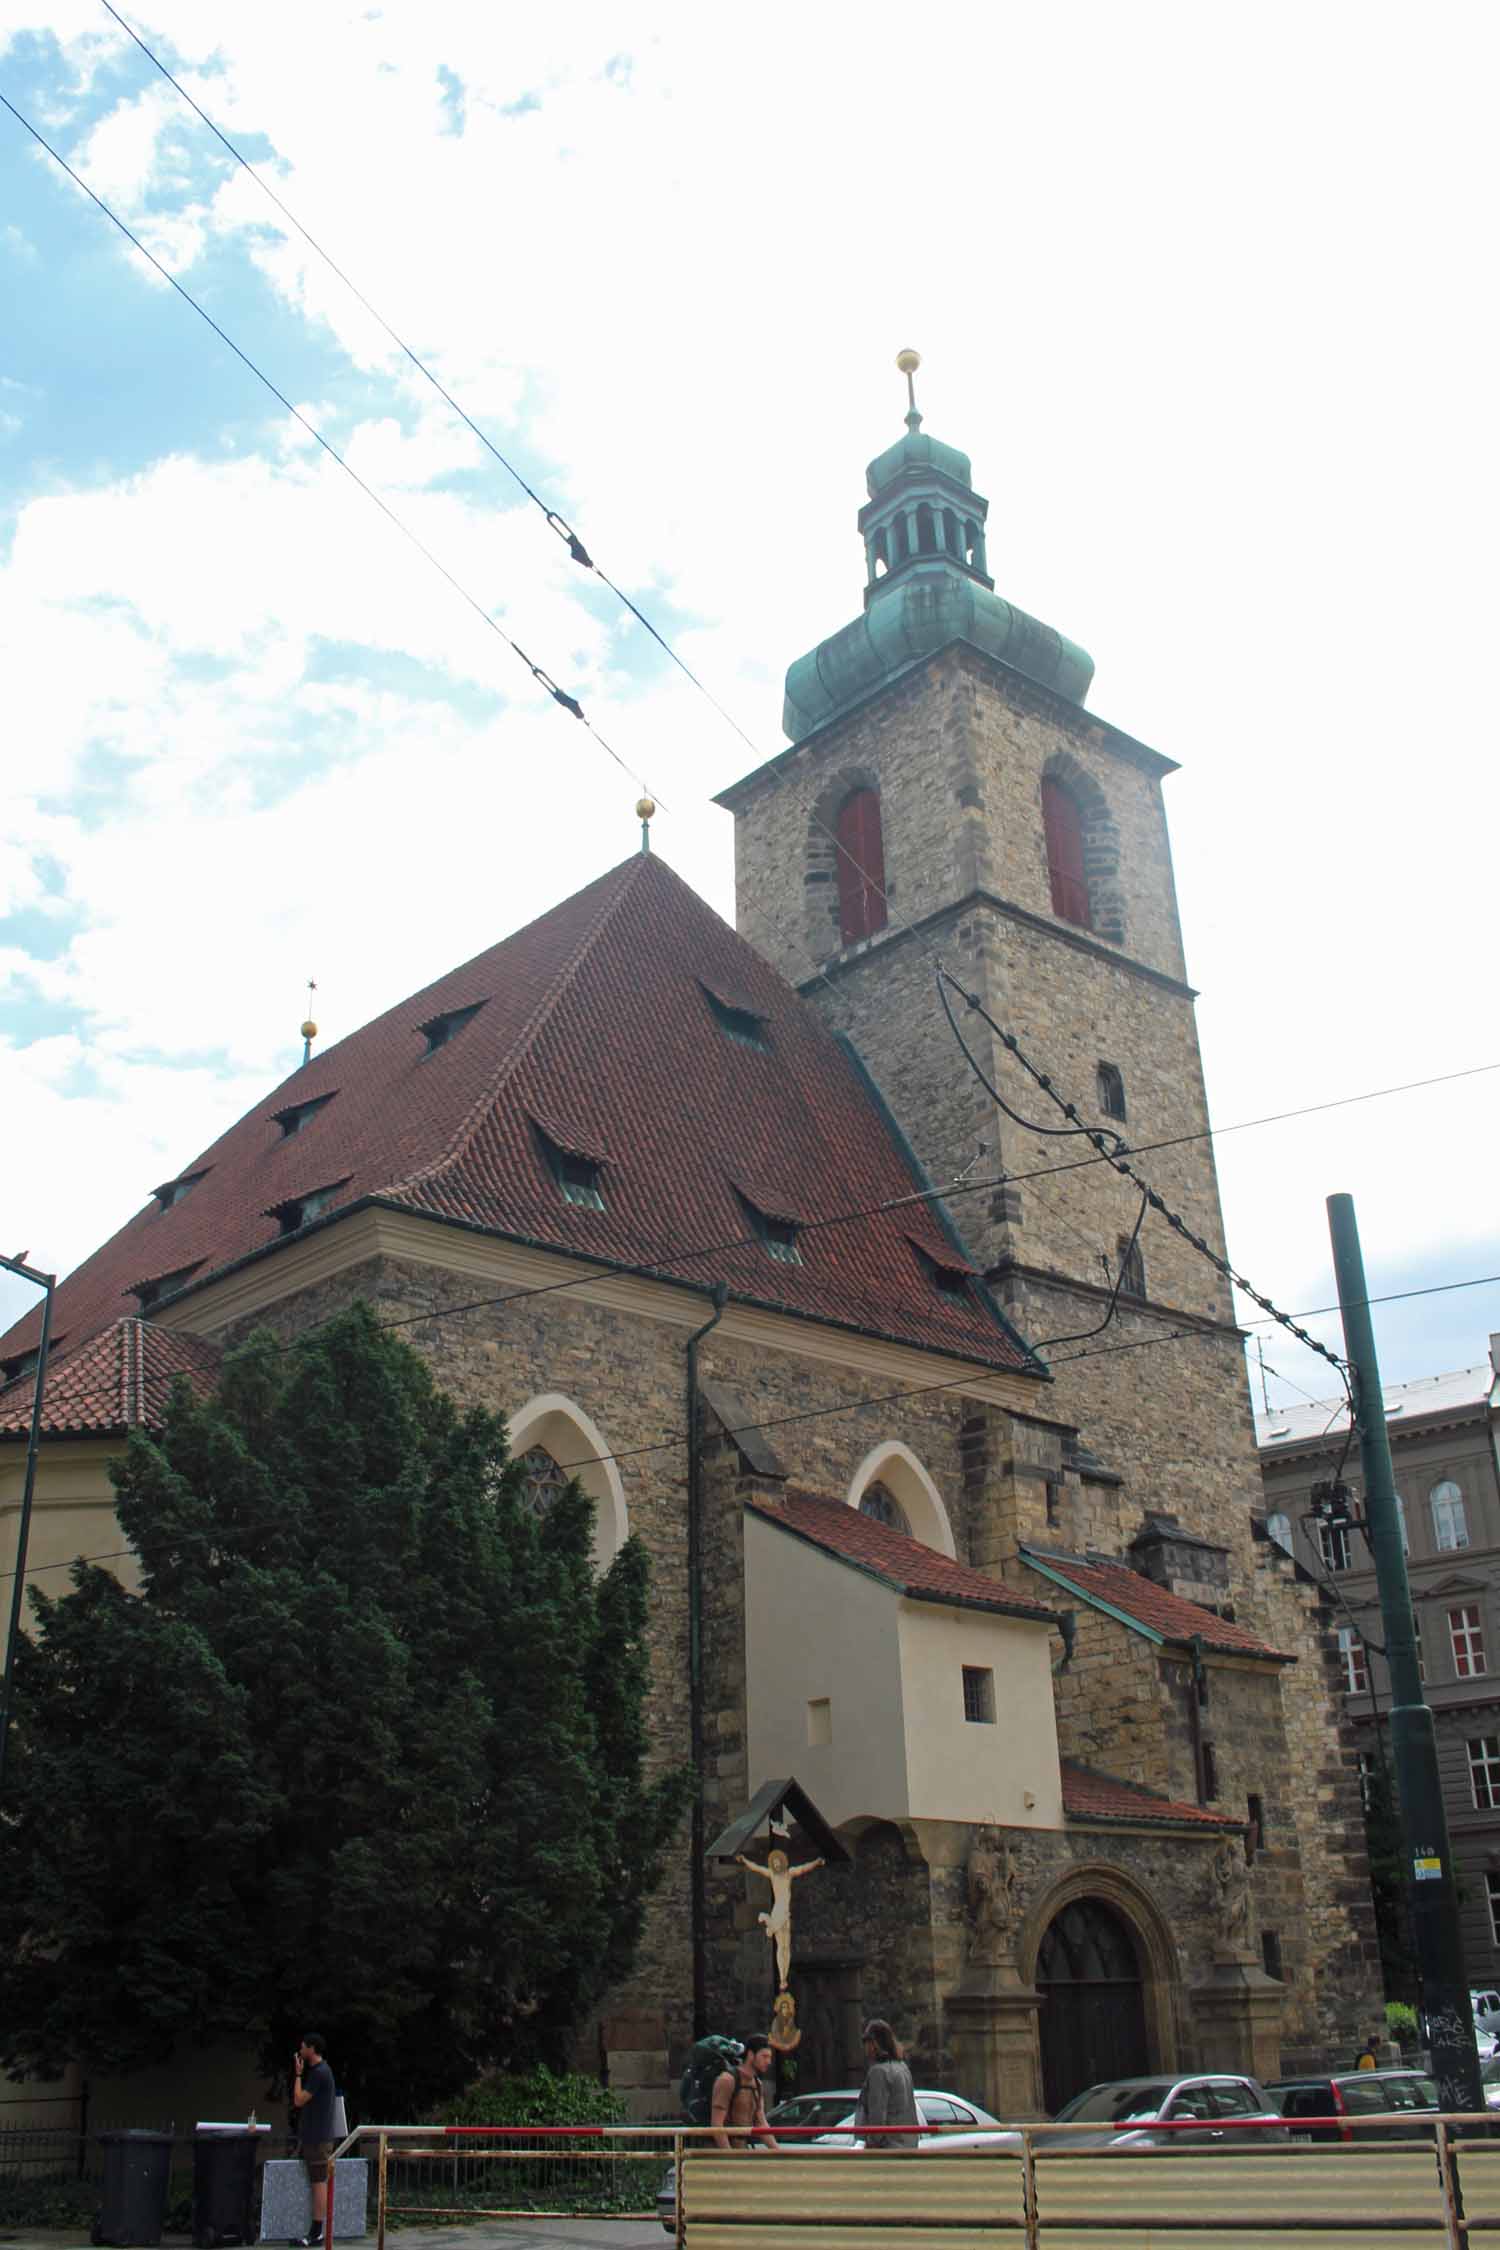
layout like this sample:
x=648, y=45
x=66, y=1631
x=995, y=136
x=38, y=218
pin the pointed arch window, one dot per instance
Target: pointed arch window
x=543, y=1478
x=861, y=866
x=1063, y=827
x=880, y=1504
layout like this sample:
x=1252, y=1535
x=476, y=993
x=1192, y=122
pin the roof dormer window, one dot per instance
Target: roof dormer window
x=948, y=1276
x=299, y=1211
x=173, y=1191
x=151, y=1292
x=438, y=1030
x=292, y=1119
x=742, y=1025
x=577, y=1168
x=778, y=1230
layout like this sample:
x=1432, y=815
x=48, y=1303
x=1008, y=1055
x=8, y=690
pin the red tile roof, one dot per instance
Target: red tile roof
x=595, y=1017
x=118, y=1380
x=1117, y=1586
x=1088, y=1795
x=903, y=1563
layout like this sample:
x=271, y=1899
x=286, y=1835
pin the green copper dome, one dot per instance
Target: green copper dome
x=917, y=451
x=928, y=585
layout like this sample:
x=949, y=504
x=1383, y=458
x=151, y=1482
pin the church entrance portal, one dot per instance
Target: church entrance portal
x=1093, y=2018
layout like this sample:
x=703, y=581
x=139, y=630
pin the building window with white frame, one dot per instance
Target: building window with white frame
x=1352, y=1657
x=1450, y=1523
x=1279, y=1530
x=1333, y=1544
x=1401, y=1519
x=1484, y=1771
x=1466, y=1632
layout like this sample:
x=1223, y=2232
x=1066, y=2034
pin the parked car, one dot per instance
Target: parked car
x=1351, y=2093
x=833, y=2110
x=1485, y=2002
x=1489, y=2079
x=1198, y=2109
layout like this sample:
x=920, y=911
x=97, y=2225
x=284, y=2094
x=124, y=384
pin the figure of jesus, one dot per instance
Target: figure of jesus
x=781, y=1875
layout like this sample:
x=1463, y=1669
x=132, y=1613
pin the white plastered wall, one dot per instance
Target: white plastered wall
x=891, y=1670
x=72, y=1514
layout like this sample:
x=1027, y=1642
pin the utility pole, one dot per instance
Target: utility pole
x=46, y=1282
x=1429, y=1870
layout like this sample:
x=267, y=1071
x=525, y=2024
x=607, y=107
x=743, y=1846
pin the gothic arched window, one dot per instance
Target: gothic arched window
x=543, y=1480
x=1450, y=1524
x=1279, y=1530
x=1064, y=833
x=880, y=1504
x=861, y=866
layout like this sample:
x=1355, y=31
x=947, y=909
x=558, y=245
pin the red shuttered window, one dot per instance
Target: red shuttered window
x=1064, y=830
x=861, y=867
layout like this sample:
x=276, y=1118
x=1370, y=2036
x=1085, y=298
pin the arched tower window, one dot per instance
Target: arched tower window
x=1064, y=833
x=926, y=534
x=1111, y=1087
x=861, y=866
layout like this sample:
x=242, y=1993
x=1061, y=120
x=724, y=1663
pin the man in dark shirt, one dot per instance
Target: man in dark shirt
x=313, y=2095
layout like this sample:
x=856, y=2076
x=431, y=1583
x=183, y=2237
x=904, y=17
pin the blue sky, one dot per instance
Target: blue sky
x=1196, y=289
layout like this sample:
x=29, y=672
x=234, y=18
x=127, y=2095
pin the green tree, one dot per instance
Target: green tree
x=366, y=1751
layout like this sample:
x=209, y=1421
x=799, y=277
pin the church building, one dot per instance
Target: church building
x=952, y=1499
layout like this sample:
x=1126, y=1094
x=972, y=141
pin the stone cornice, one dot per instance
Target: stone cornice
x=840, y=963
x=371, y=1230
x=1048, y=1277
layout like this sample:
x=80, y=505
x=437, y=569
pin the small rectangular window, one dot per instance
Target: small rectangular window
x=1255, y=1826
x=1270, y=1953
x=1466, y=1632
x=1111, y=1091
x=979, y=1695
x=819, y=1721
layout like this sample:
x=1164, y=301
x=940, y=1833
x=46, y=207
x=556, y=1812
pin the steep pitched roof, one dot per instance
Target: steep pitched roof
x=902, y=1563
x=1092, y=1796
x=118, y=1380
x=1152, y=1609
x=592, y=1031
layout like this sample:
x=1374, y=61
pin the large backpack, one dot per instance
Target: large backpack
x=707, y=2062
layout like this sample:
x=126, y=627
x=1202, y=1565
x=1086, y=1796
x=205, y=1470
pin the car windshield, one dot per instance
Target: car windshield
x=820, y=2110
x=1115, y=2105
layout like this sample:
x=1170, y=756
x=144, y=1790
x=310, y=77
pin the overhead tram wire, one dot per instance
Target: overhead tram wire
x=543, y=678
x=1185, y=1332
x=556, y=522
x=1114, y=1150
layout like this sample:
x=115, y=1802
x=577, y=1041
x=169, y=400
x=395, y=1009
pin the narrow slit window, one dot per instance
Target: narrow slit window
x=819, y=1721
x=979, y=1695
x=1063, y=830
x=1210, y=1773
x=1132, y=1267
x=1111, y=1085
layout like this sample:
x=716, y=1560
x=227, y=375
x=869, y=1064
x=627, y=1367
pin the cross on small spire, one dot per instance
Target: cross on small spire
x=909, y=362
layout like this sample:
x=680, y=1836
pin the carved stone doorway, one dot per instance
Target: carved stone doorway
x=1093, y=2016
x=827, y=1995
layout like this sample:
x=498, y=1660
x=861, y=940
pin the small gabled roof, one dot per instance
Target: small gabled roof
x=594, y=1017
x=1122, y=1593
x=1092, y=1796
x=902, y=1563
x=119, y=1380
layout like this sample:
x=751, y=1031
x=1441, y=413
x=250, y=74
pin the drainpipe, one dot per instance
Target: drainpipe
x=46, y=1282
x=695, y=1656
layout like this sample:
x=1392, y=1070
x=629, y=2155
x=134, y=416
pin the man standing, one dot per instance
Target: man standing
x=313, y=2097
x=739, y=2099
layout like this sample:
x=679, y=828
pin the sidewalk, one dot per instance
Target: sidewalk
x=498, y=2234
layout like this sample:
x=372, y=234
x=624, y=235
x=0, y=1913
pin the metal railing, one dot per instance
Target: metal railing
x=1392, y=2182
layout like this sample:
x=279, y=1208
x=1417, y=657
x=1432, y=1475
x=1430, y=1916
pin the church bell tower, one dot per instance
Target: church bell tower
x=946, y=796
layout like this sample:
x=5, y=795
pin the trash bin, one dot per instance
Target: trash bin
x=224, y=2184
x=137, y=2169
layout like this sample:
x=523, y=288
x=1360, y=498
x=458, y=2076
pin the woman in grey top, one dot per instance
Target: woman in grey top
x=887, y=2096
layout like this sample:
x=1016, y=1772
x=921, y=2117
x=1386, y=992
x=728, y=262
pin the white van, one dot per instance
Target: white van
x=1486, y=2005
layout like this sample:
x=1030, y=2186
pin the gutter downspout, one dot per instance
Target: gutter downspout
x=698, y=1888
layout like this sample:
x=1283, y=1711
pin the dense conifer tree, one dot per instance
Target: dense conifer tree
x=367, y=1750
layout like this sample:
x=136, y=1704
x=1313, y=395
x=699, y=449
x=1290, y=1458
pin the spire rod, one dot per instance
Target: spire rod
x=309, y=1028
x=908, y=362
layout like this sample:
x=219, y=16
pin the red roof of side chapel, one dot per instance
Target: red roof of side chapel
x=594, y=1028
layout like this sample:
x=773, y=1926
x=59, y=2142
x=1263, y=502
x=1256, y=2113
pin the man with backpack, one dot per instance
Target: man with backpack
x=737, y=2111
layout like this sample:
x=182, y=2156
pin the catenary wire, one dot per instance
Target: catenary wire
x=1184, y=1332
x=557, y=522
x=543, y=678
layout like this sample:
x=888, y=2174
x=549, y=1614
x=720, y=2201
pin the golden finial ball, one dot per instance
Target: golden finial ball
x=309, y=1029
x=646, y=809
x=908, y=362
